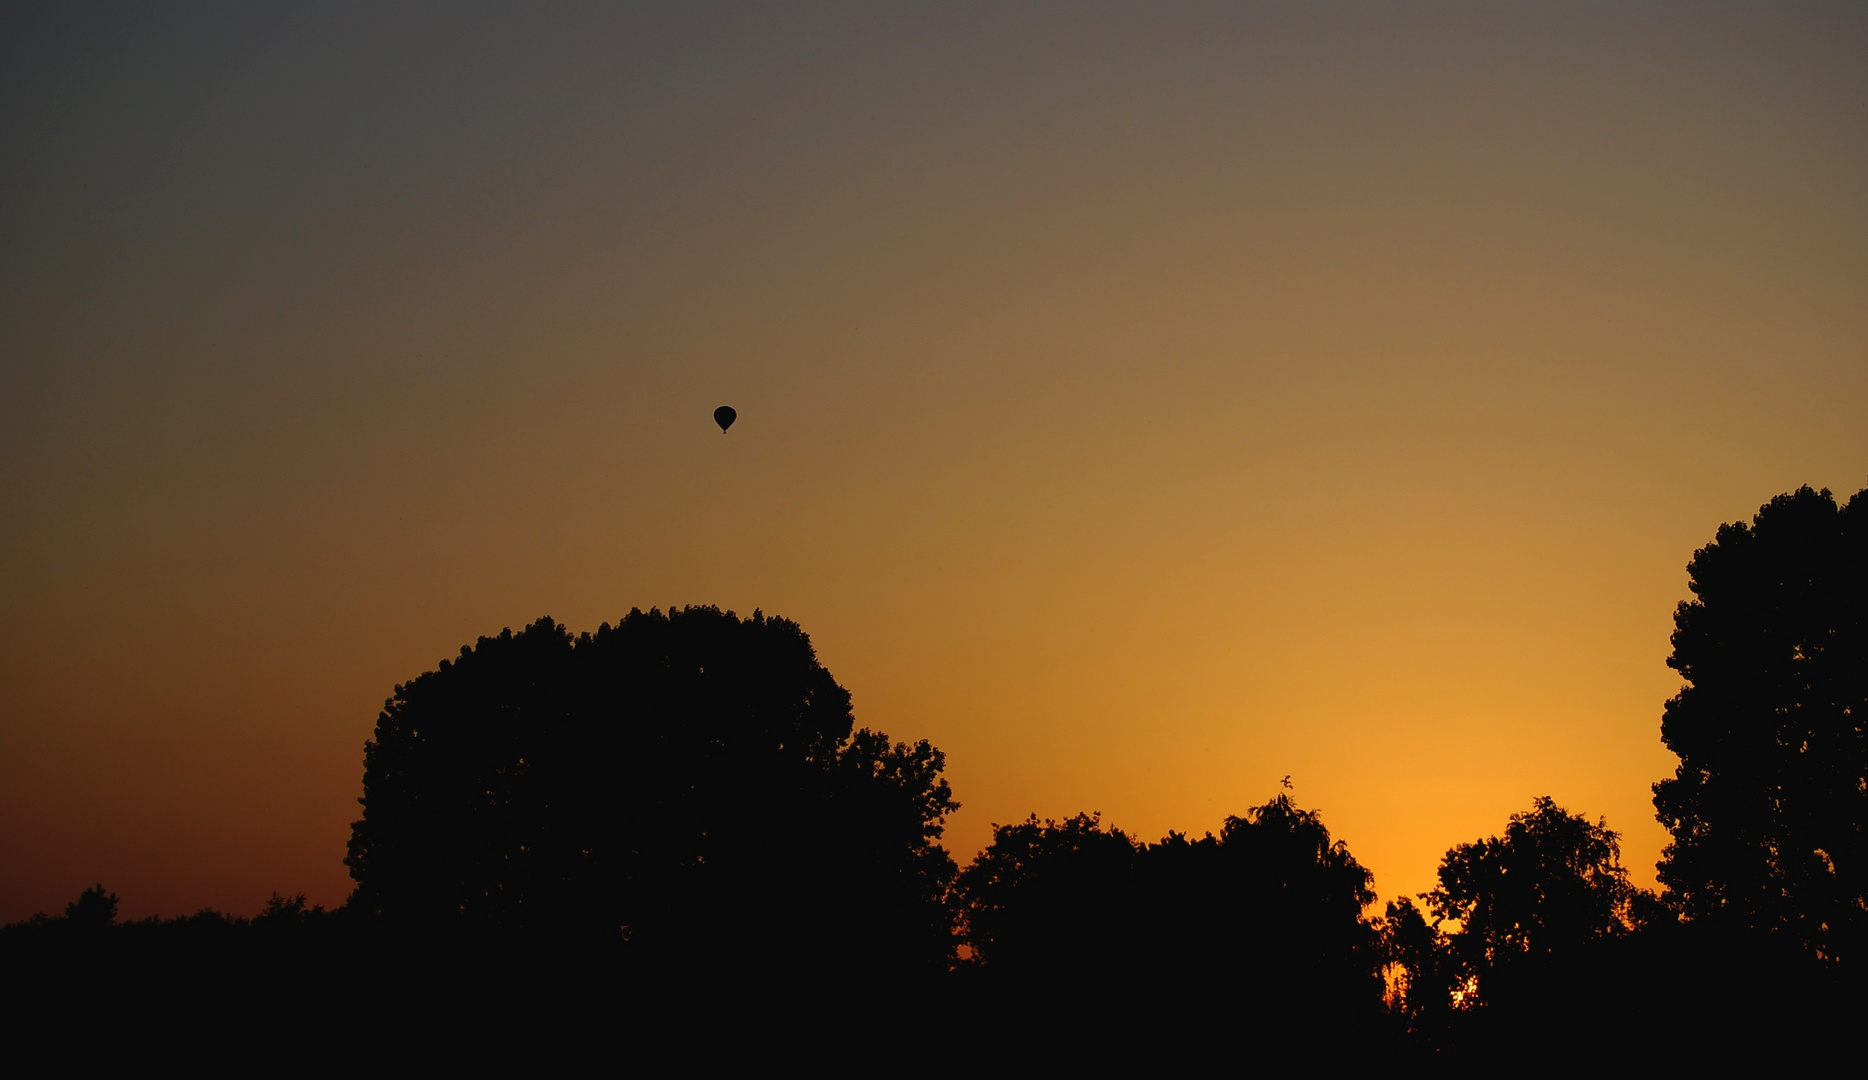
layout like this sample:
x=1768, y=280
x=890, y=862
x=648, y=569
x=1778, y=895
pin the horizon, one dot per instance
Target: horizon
x=1142, y=406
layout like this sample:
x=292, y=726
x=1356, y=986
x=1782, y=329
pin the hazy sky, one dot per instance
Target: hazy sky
x=1141, y=402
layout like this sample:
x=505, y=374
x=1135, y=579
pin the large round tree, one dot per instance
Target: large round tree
x=691, y=783
x=1769, y=806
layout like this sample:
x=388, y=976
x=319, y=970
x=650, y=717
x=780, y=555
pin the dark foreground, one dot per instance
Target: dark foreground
x=307, y=988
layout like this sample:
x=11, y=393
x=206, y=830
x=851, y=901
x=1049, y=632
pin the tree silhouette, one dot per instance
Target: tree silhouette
x=1551, y=885
x=691, y=784
x=1769, y=806
x=1041, y=890
x=687, y=793
x=1259, y=927
x=93, y=908
x=1424, y=982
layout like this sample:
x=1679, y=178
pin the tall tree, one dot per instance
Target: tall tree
x=1769, y=805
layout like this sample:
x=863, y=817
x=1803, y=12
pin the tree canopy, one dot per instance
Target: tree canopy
x=1552, y=884
x=690, y=783
x=1262, y=921
x=1768, y=808
x=689, y=793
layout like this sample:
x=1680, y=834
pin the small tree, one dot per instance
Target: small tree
x=1553, y=883
x=1422, y=977
x=94, y=907
x=1769, y=806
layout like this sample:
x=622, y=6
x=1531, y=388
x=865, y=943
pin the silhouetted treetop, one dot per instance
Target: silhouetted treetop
x=1263, y=922
x=1423, y=973
x=93, y=907
x=1292, y=851
x=1037, y=876
x=684, y=781
x=1553, y=883
x=1768, y=808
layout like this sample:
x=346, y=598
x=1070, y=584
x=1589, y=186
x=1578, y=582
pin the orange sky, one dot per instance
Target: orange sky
x=1141, y=403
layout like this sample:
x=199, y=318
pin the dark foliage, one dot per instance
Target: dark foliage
x=1549, y=940
x=1257, y=928
x=670, y=833
x=690, y=784
x=93, y=908
x=1551, y=885
x=1424, y=985
x=86, y=986
x=1518, y=904
x=1769, y=806
x=1042, y=890
x=1526, y=906
x=294, y=986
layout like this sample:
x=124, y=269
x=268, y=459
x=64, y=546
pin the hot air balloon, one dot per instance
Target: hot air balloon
x=724, y=416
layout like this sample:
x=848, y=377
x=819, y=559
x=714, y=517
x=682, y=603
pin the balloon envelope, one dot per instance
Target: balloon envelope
x=724, y=416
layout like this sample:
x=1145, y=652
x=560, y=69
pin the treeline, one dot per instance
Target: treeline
x=680, y=809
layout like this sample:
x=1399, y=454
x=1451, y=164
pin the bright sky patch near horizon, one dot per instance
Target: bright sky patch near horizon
x=1140, y=403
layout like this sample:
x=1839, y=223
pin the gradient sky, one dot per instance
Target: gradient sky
x=1141, y=402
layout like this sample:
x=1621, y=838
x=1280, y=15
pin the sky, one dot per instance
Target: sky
x=1143, y=403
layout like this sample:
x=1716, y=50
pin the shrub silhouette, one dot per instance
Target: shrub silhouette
x=690, y=784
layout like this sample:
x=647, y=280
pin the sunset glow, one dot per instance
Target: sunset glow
x=1142, y=404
